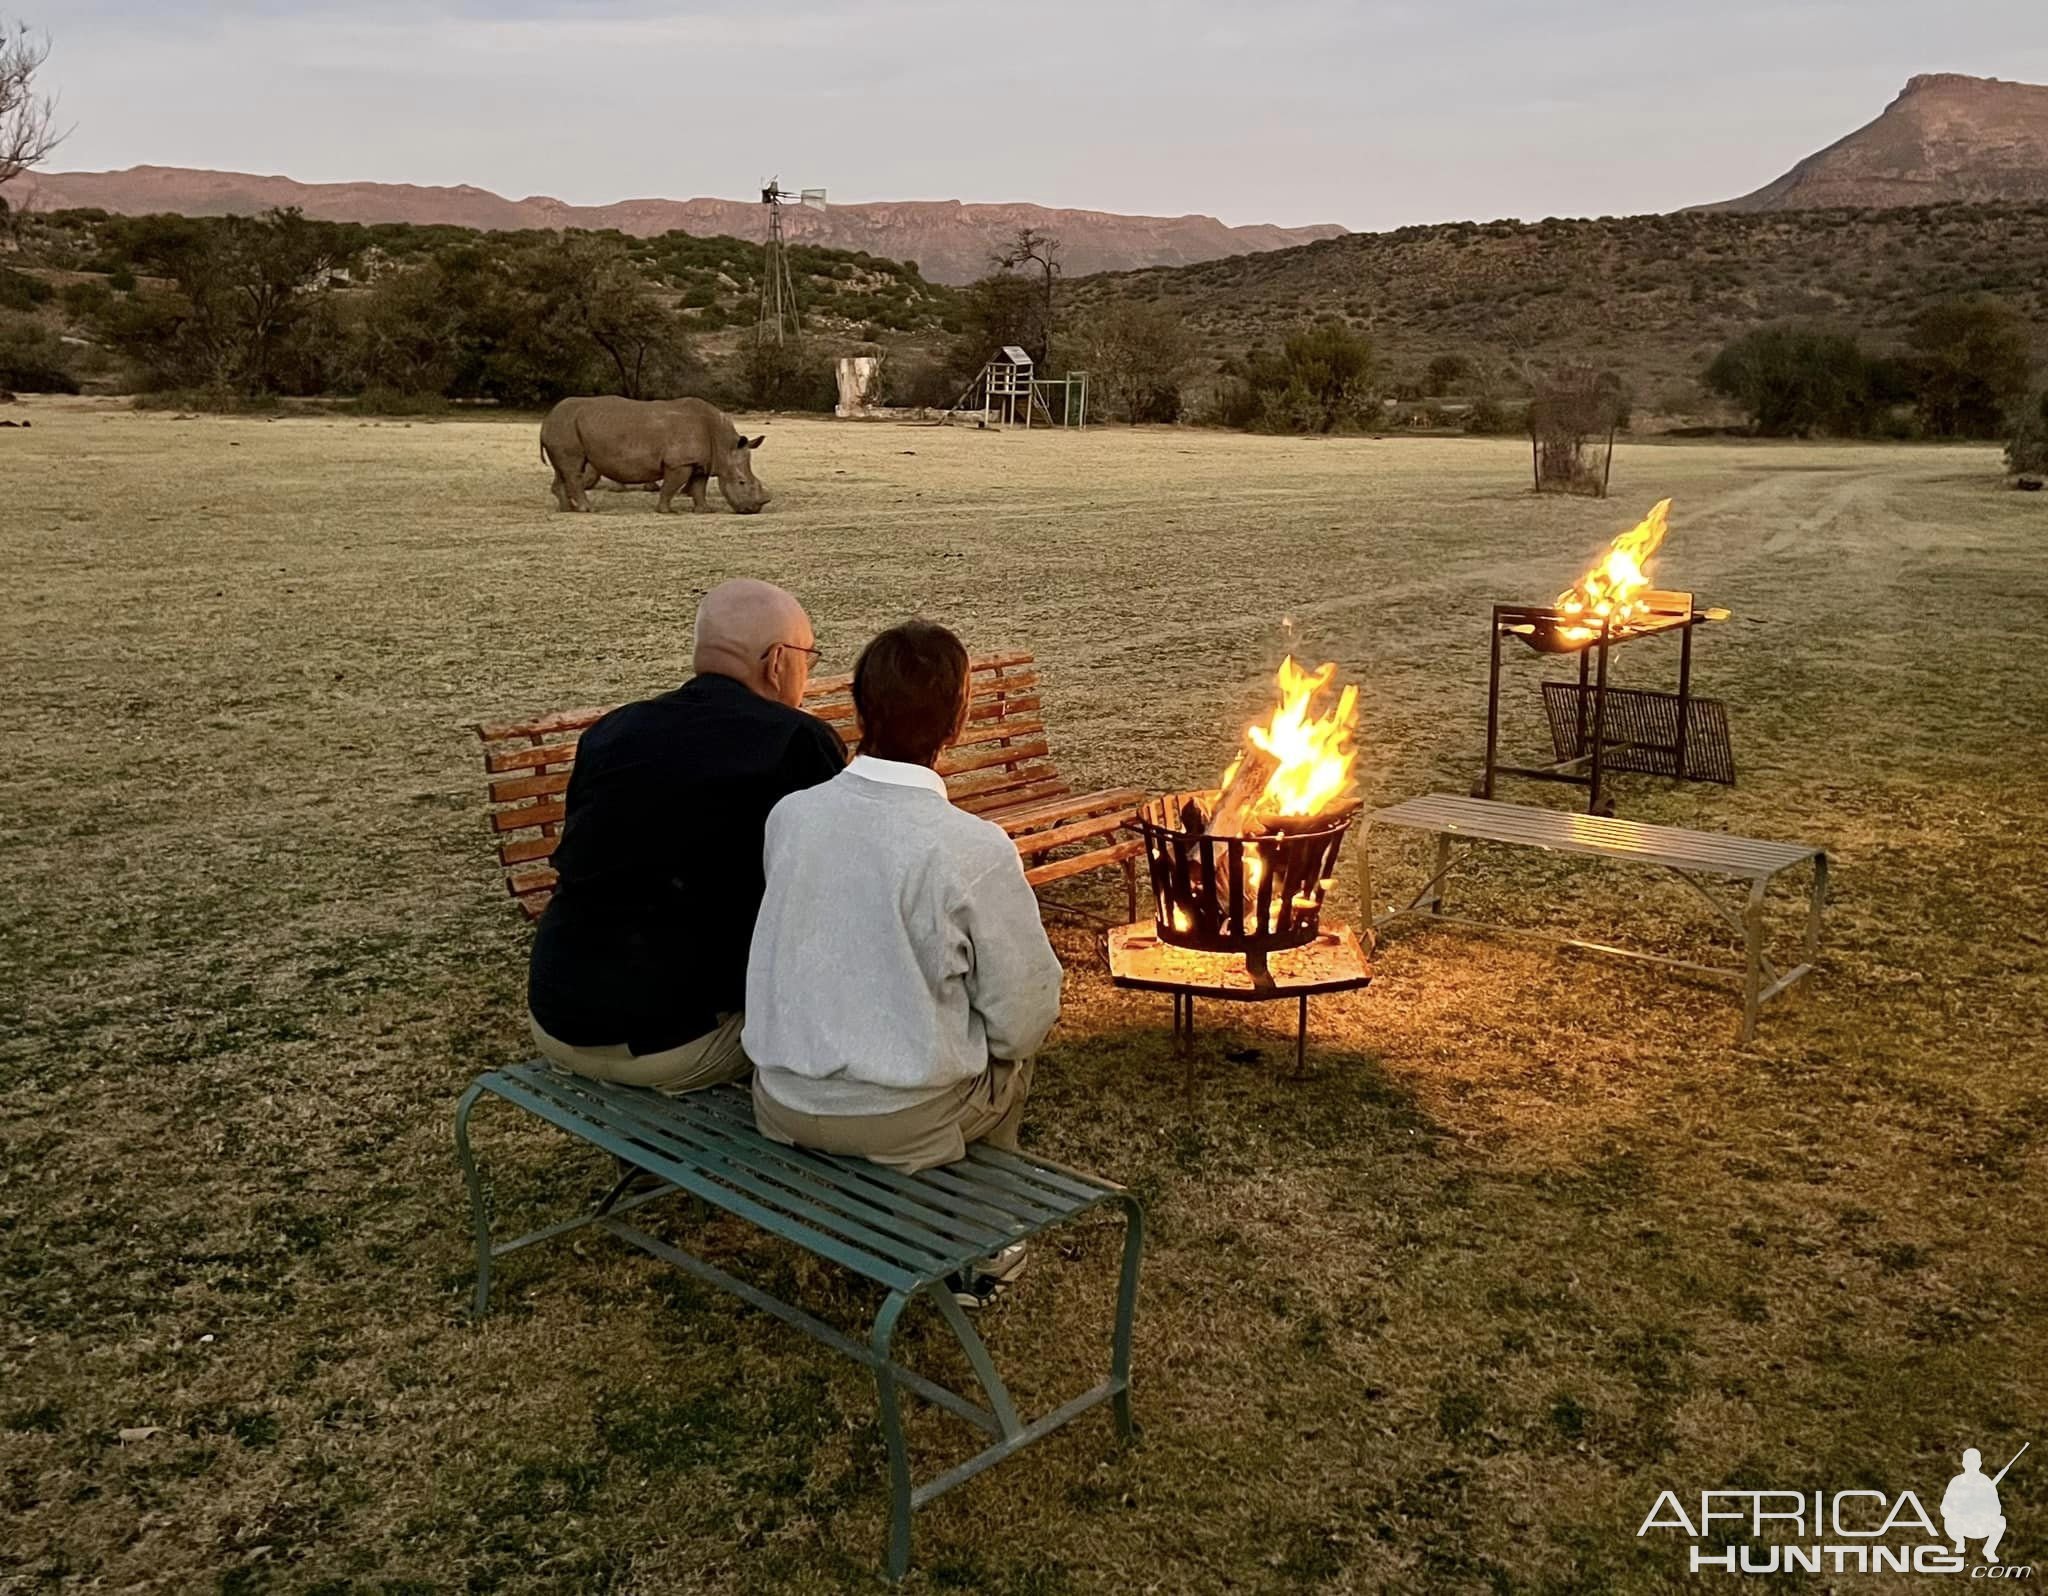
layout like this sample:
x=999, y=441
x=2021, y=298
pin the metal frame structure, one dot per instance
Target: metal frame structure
x=1689, y=855
x=1134, y=966
x=907, y=1233
x=1585, y=752
x=778, y=289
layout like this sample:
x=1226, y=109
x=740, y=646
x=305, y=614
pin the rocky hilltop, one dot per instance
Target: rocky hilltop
x=1947, y=137
x=951, y=242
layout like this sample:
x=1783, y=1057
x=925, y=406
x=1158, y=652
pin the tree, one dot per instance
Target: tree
x=1138, y=356
x=1972, y=358
x=244, y=284
x=1572, y=409
x=1445, y=373
x=1320, y=380
x=26, y=133
x=2026, y=452
x=1795, y=381
x=1043, y=250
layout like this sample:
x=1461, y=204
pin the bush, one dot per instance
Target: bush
x=1445, y=373
x=1319, y=382
x=1796, y=381
x=1489, y=417
x=19, y=291
x=1971, y=360
x=1138, y=356
x=2026, y=452
x=32, y=357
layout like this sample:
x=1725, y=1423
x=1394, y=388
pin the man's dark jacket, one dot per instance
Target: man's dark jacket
x=645, y=940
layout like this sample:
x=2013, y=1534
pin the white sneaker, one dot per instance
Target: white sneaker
x=976, y=1288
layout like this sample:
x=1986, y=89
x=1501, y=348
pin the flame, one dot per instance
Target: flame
x=1612, y=589
x=1314, y=751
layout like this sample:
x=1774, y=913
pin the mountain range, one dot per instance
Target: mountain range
x=1946, y=138
x=951, y=242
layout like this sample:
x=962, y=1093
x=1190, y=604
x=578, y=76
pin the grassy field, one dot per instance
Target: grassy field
x=1532, y=1242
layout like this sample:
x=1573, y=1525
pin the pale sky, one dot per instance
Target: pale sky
x=1372, y=115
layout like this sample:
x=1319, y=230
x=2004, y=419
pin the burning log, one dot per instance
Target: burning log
x=1232, y=814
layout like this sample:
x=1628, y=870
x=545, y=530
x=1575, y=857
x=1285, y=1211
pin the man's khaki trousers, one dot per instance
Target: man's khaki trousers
x=703, y=1061
x=988, y=1108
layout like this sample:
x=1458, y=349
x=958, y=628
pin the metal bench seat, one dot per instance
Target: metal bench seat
x=907, y=1233
x=1690, y=855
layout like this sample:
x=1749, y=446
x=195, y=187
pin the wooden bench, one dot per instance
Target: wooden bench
x=1690, y=855
x=906, y=1233
x=1002, y=768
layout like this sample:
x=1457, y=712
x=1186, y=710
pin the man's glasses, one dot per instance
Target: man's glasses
x=814, y=652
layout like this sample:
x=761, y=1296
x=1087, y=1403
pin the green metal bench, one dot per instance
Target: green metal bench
x=904, y=1232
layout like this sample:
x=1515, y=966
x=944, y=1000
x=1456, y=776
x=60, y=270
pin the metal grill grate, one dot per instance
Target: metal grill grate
x=1642, y=732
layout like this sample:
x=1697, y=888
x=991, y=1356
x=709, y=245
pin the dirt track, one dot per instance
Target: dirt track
x=1533, y=1236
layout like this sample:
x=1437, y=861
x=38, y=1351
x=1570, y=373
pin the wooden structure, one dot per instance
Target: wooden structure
x=1009, y=391
x=1596, y=727
x=1002, y=769
x=1139, y=960
x=906, y=1233
x=1689, y=855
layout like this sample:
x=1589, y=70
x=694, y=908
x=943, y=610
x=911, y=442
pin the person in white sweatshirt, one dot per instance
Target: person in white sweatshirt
x=899, y=979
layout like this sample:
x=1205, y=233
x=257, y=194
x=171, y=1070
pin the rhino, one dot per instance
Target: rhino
x=677, y=445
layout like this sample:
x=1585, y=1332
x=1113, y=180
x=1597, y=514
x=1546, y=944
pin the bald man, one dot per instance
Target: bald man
x=639, y=967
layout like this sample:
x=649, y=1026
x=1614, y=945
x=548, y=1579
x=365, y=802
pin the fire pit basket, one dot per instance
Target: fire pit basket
x=1207, y=898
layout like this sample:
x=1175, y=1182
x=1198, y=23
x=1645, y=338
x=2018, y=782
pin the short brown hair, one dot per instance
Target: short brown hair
x=907, y=688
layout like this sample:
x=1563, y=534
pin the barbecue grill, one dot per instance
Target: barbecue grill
x=1596, y=728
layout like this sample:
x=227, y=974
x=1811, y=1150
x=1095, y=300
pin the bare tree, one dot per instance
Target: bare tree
x=1043, y=250
x=26, y=133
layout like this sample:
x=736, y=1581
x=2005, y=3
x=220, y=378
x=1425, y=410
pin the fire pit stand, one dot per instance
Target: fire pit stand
x=1140, y=961
x=1596, y=728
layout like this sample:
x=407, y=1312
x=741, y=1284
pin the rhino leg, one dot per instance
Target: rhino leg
x=670, y=481
x=560, y=486
x=698, y=481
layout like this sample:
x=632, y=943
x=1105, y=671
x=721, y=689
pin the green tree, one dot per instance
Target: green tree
x=2026, y=452
x=1138, y=357
x=1972, y=358
x=1796, y=381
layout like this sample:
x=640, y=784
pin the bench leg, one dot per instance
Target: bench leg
x=897, y=1559
x=1126, y=1312
x=1815, y=903
x=1752, y=960
x=1131, y=890
x=1443, y=868
x=479, y=1219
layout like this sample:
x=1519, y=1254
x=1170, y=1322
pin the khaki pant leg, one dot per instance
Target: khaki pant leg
x=702, y=1061
x=995, y=1112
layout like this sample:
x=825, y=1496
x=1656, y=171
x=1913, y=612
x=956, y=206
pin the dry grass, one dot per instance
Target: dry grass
x=1532, y=1242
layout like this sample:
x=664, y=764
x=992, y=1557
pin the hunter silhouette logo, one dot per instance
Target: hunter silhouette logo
x=1860, y=1531
x=1969, y=1507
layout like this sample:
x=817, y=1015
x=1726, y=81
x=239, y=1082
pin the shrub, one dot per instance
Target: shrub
x=1796, y=381
x=19, y=291
x=1972, y=360
x=1319, y=382
x=32, y=356
x=1490, y=417
x=2026, y=452
x=1445, y=373
x=1138, y=357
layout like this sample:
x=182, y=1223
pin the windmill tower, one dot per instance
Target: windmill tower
x=778, y=321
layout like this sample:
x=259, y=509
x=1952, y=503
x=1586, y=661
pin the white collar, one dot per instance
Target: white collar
x=895, y=773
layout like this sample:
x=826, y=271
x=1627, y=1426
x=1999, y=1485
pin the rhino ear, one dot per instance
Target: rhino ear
x=755, y=443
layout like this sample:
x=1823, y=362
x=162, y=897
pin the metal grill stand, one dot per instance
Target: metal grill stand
x=1595, y=727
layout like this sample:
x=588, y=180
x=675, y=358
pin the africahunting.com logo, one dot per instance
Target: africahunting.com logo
x=1847, y=1532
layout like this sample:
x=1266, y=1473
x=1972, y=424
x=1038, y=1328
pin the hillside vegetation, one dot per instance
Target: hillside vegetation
x=1651, y=297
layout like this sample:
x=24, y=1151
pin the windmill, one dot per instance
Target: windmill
x=778, y=319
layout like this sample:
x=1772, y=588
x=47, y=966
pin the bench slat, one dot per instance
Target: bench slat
x=1081, y=863
x=992, y=805
x=1037, y=842
x=1020, y=817
x=1490, y=820
x=715, y=1149
x=540, y=814
x=580, y=1118
x=987, y=1228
